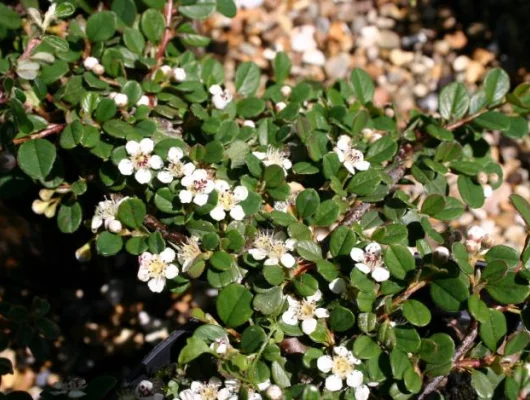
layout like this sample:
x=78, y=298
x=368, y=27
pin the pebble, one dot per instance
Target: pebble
x=474, y=71
x=399, y=57
x=388, y=40
x=514, y=233
x=421, y=90
x=302, y=38
x=314, y=57
x=460, y=63
x=249, y=4
x=338, y=66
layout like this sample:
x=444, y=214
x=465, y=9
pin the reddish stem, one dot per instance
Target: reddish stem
x=51, y=130
x=167, y=34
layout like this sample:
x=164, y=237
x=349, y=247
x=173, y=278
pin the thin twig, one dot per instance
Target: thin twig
x=167, y=35
x=50, y=130
x=465, y=346
x=33, y=42
x=152, y=223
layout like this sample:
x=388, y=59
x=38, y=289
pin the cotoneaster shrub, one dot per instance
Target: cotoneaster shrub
x=293, y=203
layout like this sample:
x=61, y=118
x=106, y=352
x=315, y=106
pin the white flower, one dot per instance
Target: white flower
x=145, y=391
x=211, y=391
x=476, y=233
x=249, y=123
x=121, y=100
x=337, y=285
x=166, y=70
x=274, y=156
x=274, y=392
x=488, y=190
x=228, y=200
x=221, y=345
x=274, y=249
x=286, y=90
x=220, y=98
x=198, y=187
x=280, y=106
x=370, y=261
x=176, y=168
x=73, y=388
x=352, y=158
x=106, y=212
x=179, y=74
x=342, y=367
x=362, y=392
x=188, y=252
x=90, y=62
x=143, y=101
x=305, y=310
x=156, y=268
x=141, y=160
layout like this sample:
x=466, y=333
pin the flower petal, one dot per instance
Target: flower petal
x=143, y=176
x=344, y=142
x=185, y=196
x=333, y=383
x=171, y=271
x=157, y=284
x=189, y=168
x=200, y=199
x=380, y=274
x=218, y=213
x=321, y=313
x=357, y=254
x=337, y=285
x=362, y=392
x=175, y=154
x=324, y=363
x=289, y=317
x=165, y=177
x=167, y=255
x=240, y=193
x=288, y=261
x=354, y=379
x=365, y=269
x=156, y=162
x=349, y=166
x=362, y=165
x=147, y=145
x=126, y=167
x=143, y=274
x=309, y=326
x=237, y=213
x=260, y=155
x=132, y=148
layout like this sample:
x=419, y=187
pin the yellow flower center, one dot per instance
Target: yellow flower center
x=227, y=200
x=307, y=310
x=156, y=266
x=176, y=169
x=140, y=160
x=341, y=366
x=209, y=392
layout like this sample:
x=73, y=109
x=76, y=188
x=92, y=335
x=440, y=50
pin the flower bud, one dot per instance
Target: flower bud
x=367, y=133
x=121, y=100
x=280, y=106
x=274, y=392
x=441, y=254
x=46, y=194
x=475, y=233
x=143, y=101
x=487, y=241
x=50, y=211
x=83, y=254
x=488, y=191
x=39, y=206
x=493, y=178
x=166, y=70
x=115, y=226
x=482, y=178
x=249, y=123
x=472, y=247
x=286, y=90
x=98, y=69
x=90, y=62
x=179, y=74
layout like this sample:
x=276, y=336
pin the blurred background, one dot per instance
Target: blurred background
x=109, y=320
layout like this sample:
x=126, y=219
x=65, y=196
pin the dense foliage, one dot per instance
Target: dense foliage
x=292, y=201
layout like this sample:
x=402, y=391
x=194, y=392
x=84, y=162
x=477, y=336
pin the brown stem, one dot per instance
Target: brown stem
x=167, y=35
x=33, y=42
x=51, y=130
x=154, y=224
x=465, y=346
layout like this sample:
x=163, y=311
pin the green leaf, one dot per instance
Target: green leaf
x=511, y=289
x=390, y=234
x=274, y=274
x=399, y=260
x=305, y=285
x=481, y=384
x=518, y=128
x=132, y=212
x=496, y=85
x=452, y=210
x=237, y=153
x=9, y=18
x=433, y=204
x=108, y=244
x=309, y=250
x=268, y=301
x=416, y=313
x=364, y=183
x=214, y=152
x=194, y=348
x=227, y=8
x=234, y=305
x=133, y=91
x=69, y=217
x=365, y=348
x=493, y=329
x=250, y=107
x=279, y=375
x=341, y=319
x=382, y=149
x=523, y=207
x=448, y=151
x=342, y=241
x=101, y=26
x=517, y=343
x=56, y=42
x=134, y=40
x=274, y=176
x=493, y=120
x=252, y=339
x=51, y=73
x=221, y=261
x=198, y=9
x=105, y=110
x=363, y=87
x=478, y=309
x=36, y=158
x=47, y=328
x=449, y=294
x=472, y=193
x=453, y=101
x=153, y=25
x=437, y=349
x=503, y=253
x=282, y=67
x=307, y=203
x=247, y=78
x=125, y=10
x=327, y=213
